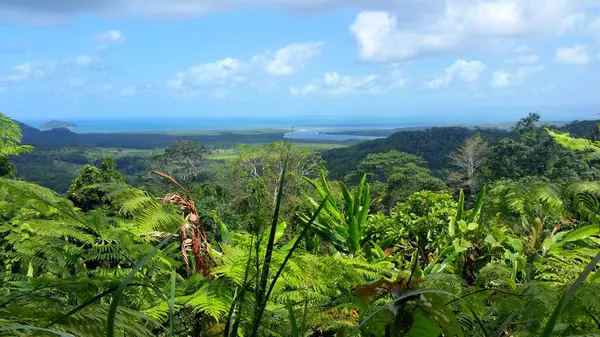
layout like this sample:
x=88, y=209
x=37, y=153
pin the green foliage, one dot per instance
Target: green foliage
x=85, y=190
x=396, y=175
x=7, y=169
x=344, y=228
x=289, y=253
x=10, y=138
x=533, y=152
x=182, y=161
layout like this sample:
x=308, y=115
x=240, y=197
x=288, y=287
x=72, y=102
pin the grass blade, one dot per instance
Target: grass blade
x=292, y=318
x=262, y=285
x=566, y=298
x=500, y=331
x=172, y=303
x=112, y=311
x=474, y=216
x=31, y=327
x=287, y=257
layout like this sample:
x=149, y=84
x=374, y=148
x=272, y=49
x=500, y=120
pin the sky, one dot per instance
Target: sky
x=458, y=59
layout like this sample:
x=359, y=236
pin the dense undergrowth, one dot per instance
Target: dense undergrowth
x=269, y=246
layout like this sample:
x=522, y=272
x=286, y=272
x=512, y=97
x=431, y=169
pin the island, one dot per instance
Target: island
x=54, y=124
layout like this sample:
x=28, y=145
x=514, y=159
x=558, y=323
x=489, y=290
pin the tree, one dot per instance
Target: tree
x=533, y=153
x=85, y=191
x=396, y=175
x=183, y=160
x=7, y=168
x=10, y=139
x=468, y=160
x=252, y=179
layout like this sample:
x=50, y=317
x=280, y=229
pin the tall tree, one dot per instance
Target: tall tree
x=533, y=153
x=183, y=160
x=468, y=160
x=84, y=191
x=10, y=139
x=7, y=168
x=395, y=175
x=252, y=178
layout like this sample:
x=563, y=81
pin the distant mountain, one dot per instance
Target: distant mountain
x=433, y=144
x=54, y=124
x=64, y=137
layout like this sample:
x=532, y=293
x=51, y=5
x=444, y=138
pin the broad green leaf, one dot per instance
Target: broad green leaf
x=472, y=226
x=378, y=251
x=581, y=233
x=225, y=237
x=462, y=225
x=423, y=326
x=490, y=239
x=476, y=212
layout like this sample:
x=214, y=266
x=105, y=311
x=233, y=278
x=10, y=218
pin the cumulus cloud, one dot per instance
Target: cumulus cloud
x=381, y=36
x=83, y=61
x=576, y=55
x=335, y=84
x=229, y=72
x=221, y=72
x=467, y=71
x=502, y=79
x=111, y=36
x=29, y=70
x=289, y=59
x=57, y=10
x=332, y=83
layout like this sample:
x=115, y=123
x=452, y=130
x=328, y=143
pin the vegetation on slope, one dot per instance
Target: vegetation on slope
x=269, y=245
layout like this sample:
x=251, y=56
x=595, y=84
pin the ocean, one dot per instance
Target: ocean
x=297, y=128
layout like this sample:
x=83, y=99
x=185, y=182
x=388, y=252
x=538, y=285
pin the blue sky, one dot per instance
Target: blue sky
x=463, y=59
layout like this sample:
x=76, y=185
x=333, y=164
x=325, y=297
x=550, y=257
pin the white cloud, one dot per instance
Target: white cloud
x=381, y=36
x=467, y=71
x=221, y=72
x=83, y=60
x=289, y=59
x=503, y=79
x=229, y=72
x=128, y=91
x=576, y=55
x=29, y=70
x=335, y=84
x=111, y=36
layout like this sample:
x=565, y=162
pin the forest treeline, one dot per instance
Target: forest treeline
x=496, y=235
x=60, y=153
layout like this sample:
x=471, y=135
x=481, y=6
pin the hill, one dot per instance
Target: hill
x=434, y=145
x=63, y=137
x=54, y=124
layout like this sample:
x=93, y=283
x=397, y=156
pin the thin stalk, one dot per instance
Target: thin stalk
x=262, y=285
x=287, y=258
x=112, y=311
x=240, y=300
